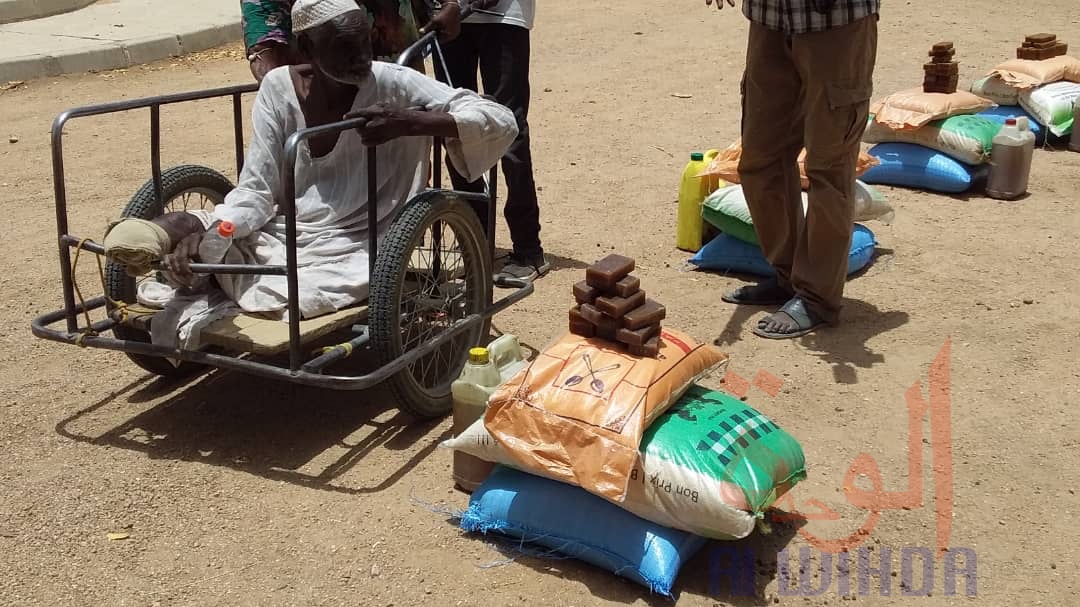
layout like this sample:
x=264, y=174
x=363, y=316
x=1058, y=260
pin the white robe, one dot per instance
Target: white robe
x=332, y=191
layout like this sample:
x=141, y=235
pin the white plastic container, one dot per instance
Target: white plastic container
x=1010, y=160
x=215, y=243
x=487, y=369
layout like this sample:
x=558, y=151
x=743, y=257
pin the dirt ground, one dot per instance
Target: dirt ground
x=234, y=491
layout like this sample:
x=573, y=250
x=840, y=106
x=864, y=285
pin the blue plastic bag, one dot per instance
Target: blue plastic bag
x=575, y=523
x=727, y=254
x=915, y=166
x=1002, y=112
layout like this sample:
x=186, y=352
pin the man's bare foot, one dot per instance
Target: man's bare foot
x=179, y=225
x=185, y=233
x=790, y=321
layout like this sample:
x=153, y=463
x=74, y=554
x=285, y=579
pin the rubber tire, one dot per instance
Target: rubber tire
x=384, y=302
x=143, y=205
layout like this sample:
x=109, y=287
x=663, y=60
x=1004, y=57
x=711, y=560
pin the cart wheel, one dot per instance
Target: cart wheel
x=431, y=270
x=185, y=187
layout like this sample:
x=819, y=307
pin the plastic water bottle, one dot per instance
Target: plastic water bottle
x=216, y=242
x=693, y=190
x=1010, y=160
x=486, y=370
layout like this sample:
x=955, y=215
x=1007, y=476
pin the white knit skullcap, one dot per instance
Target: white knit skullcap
x=307, y=14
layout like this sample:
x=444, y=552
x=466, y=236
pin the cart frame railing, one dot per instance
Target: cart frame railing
x=297, y=371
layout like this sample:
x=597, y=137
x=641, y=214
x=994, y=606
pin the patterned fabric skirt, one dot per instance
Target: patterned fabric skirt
x=395, y=24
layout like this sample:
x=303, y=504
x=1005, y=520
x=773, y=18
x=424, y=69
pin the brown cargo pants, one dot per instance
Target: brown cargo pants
x=806, y=90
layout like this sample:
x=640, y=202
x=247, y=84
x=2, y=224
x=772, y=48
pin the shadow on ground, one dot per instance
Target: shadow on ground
x=558, y=262
x=844, y=347
x=276, y=430
x=273, y=429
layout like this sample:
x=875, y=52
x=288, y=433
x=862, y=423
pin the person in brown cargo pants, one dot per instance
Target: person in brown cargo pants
x=808, y=82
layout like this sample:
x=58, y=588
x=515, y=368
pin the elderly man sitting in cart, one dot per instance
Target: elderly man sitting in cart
x=339, y=81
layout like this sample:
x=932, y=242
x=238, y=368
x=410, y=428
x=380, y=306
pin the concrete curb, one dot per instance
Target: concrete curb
x=109, y=55
x=23, y=10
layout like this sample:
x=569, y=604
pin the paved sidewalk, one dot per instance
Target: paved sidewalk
x=114, y=34
x=20, y=10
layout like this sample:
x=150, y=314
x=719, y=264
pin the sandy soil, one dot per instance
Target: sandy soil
x=242, y=492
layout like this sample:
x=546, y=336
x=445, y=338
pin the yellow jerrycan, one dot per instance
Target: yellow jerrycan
x=693, y=190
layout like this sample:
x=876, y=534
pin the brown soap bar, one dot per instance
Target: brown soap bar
x=617, y=307
x=941, y=89
x=946, y=83
x=637, y=338
x=607, y=332
x=584, y=294
x=1039, y=54
x=1036, y=38
x=941, y=85
x=1028, y=54
x=942, y=47
x=627, y=286
x=952, y=81
x=605, y=273
x=650, y=313
x=1061, y=49
x=650, y=349
x=950, y=68
x=577, y=316
x=605, y=325
x=1044, y=45
x=940, y=78
x=590, y=313
x=584, y=329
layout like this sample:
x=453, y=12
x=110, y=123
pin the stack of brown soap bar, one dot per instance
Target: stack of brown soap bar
x=1039, y=47
x=612, y=306
x=942, y=74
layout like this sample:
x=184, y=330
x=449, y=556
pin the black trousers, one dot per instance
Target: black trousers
x=501, y=53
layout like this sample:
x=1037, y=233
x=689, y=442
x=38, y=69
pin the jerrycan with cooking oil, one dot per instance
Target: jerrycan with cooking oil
x=487, y=369
x=690, y=227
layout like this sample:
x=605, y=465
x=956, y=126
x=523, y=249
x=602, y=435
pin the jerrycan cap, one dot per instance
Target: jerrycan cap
x=697, y=156
x=478, y=356
x=226, y=229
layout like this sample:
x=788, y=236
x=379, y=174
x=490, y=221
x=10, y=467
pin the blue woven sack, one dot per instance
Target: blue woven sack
x=914, y=166
x=1001, y=113
x=575, y=523
x=731, y=255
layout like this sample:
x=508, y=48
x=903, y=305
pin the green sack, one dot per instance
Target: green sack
x=1052, y=105
x=710, y=439
x=726, y=210
x=967, y=138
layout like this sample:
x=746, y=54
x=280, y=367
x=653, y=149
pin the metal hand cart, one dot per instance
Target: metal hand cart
x=431, y=283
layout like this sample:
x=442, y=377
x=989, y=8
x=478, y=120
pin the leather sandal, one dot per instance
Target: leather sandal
x=804, y=320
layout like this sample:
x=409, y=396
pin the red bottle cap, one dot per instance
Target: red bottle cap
x=226, y=229
x=1010, y=121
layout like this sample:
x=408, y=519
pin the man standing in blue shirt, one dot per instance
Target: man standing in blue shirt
x=808, y=82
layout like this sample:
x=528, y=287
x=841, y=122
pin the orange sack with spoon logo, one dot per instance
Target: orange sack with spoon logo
x=578, y=411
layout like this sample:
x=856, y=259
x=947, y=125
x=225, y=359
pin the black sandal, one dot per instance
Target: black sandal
x=805, y=321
